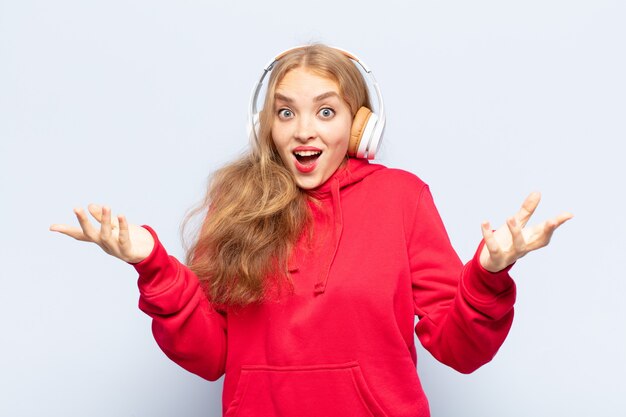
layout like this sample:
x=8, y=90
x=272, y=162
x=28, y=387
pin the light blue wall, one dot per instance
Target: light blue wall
x=134, y=103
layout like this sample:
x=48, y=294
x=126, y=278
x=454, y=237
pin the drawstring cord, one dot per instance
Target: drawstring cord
x=320, y=286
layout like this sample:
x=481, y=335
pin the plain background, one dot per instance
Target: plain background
x=135, y=103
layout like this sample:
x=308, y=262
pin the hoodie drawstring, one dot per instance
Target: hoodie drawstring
x=337, y=219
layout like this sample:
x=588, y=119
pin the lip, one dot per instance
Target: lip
x=305, y=169
x=306, y=148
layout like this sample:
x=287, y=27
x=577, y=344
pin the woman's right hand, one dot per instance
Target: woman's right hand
x=130, y=243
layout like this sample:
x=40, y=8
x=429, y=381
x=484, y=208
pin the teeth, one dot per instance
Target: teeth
x=307, y=153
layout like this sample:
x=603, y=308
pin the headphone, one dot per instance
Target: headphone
x=367, y=127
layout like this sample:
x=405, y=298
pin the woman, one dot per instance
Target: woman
x=304, y=280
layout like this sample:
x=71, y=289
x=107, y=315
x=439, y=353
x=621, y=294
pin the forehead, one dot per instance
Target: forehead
x=305, y=82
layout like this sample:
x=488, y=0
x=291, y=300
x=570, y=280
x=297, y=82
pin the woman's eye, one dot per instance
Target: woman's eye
x=285, y=113
x=327, y=112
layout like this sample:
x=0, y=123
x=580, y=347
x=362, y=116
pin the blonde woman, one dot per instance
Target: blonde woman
x=311, y=263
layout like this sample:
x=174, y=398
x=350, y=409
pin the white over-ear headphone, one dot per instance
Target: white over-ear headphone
x=367, y=127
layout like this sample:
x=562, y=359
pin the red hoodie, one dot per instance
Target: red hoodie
x=342, y=343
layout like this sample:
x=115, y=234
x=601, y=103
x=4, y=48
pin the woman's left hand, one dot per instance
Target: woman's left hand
x=514, y=240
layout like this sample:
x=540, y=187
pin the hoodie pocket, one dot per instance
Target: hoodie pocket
x=320, y=390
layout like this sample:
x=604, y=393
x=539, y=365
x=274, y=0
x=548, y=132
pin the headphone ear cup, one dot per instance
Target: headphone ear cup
x=359, y=123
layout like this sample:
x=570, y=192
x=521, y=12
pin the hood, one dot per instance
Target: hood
x=326, y=201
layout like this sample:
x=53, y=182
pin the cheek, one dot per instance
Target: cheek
x=278, y=138
x=341, y=135
x=281, y=146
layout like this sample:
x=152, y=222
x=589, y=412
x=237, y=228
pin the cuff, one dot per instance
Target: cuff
x=157, y=272
x=485, y=287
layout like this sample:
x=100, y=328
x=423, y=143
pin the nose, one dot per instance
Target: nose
x=305, y=129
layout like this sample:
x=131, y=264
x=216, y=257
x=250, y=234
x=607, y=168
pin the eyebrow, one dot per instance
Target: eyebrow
x=323, y=96
x=326, y=95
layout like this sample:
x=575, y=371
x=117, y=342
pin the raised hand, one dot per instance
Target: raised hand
x=514, y=240
x=116, y=237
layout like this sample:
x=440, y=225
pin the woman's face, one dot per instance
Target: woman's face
x=311, y=126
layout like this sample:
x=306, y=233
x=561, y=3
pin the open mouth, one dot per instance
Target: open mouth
x=307, y=157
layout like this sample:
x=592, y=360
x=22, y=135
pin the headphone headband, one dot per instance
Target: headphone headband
x=367, y=148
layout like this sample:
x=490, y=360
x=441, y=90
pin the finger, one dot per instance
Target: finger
x=543, y=233
x=516, y=236
x=562, y=218
x=71, y=231
x=124, y=236
x=548, y=229
x=105, y=224
x=88, y=230
x=540, y=235
x=96, y=211
x=551, y=225
x=528, y=208
x=490, y=241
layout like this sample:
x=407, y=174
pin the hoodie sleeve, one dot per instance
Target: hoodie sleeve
x=465, y=312
x=184, y=323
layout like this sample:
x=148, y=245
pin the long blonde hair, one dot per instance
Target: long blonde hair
x=255, y=212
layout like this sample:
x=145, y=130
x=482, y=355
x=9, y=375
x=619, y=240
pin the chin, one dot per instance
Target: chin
x=308, y=183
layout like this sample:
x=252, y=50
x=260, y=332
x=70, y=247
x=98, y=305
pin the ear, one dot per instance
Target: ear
x=358, y=125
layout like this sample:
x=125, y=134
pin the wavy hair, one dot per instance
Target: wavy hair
x=255, y=212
